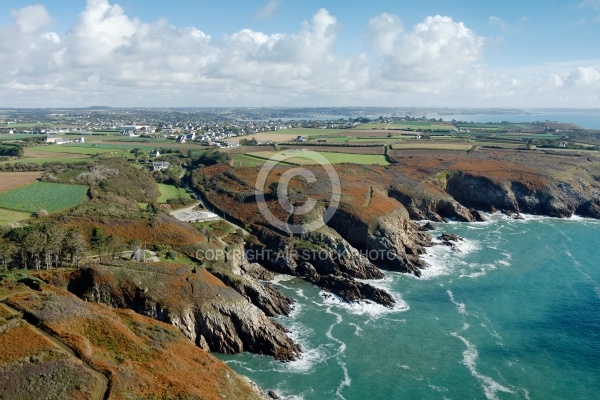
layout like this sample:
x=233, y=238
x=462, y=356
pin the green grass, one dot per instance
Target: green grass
x=333, y=158
x=10, y=216
x=307, y=131
x=171, y=192
x=414, y=125
x=364, y=127
x=19, y=136
x=83, y=148
x=431, y=146
x=244, y=160
x=27, y=160
x=36, y=196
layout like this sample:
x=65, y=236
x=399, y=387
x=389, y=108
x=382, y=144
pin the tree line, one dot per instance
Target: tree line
x=48, y=246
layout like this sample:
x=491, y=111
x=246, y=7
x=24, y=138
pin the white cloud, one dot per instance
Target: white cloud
x=268, y=10
x=493, y=20
x=436, y=47
x=32, y=19
x=593, y=4
x=110, y=58
x=385, y=31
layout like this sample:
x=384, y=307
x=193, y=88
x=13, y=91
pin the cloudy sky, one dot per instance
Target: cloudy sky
x=177, y=53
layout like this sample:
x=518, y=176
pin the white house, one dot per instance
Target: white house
x=155, y=153
x=160, y=165
x=56, y=139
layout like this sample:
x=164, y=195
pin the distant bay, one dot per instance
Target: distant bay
x=589, y=119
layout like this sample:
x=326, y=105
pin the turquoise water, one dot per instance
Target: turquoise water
x=514, y=315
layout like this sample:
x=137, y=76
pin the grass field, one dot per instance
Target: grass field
x=13, y=180
x=36, y=196
x=171, y=192
x=333, y=158
x=80, y=149
x=432, y=146
x=244, y=160
x=45, y=160
x=10, y=216
x=414, y=125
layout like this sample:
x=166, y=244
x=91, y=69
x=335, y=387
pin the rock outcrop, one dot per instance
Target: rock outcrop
x=206, y=311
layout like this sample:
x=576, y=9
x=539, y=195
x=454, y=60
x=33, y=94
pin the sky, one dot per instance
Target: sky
x=300, y=53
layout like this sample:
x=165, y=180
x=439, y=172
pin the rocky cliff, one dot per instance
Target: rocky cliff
x=212, y=315
x=373, y=226
x=55, y=345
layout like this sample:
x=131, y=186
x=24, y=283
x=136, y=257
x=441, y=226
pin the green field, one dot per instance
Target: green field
x=333, y=158
x=83, y=148
x=416, y=125
x=37, y=196
x=432, y=146
x=307, y=131
x=10, y=216
x=27, y=160
x=171, y=192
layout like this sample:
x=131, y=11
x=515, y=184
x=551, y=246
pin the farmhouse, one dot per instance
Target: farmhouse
x=56, y=139
x=155, y=153
x=160, y=165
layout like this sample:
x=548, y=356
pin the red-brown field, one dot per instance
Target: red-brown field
x=13, y=180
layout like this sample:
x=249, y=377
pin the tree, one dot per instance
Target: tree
x=74, y=246
x=98, y=241
x=7, y=251
x=136, y=152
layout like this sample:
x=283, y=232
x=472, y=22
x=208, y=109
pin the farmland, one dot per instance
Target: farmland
x=36, y=196
x=171, y=192
x=432, y=146
x=11, y=216
x=418, y=125
x=297, y=157
x=13, y=180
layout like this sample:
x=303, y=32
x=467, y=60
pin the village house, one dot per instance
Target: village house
x=155, y=153
x=56, y=139
x=160, y=165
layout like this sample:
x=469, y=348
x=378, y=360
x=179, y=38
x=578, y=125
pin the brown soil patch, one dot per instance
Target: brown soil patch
x=50, y=154
x=13, y=180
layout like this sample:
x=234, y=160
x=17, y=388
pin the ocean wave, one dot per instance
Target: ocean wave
x=443, y=260
x=489, y=385
x=365, y=307
x=460, y=307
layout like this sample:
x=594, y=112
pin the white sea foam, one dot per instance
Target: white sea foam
x=489, y=385
x=460, y=307
x=282, y=278
x=357, y=329
x=443, y=260
x=346, y=382
x=365, y=307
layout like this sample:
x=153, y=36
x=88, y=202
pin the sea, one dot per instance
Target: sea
x=512, y=313
x=585, y=118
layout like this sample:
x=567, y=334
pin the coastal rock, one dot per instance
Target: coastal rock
x=428, y=226
x=450, y=237
x=206, y=311
x=353, y=291
x=392, y=242
x=241, y=275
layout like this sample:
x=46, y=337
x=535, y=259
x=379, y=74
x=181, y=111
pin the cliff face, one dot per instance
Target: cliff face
x=373, y=225
x=393, y=242
x=556, y=199
x=63, y=347
x=206, y=311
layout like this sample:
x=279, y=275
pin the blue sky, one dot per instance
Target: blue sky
x=300, y=53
